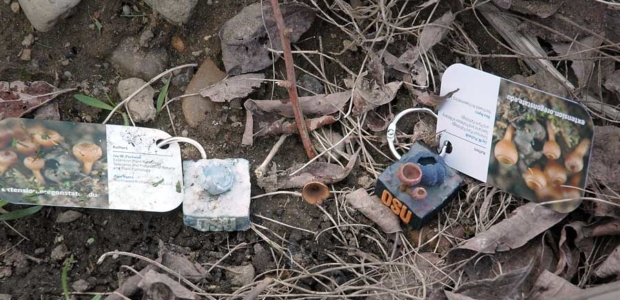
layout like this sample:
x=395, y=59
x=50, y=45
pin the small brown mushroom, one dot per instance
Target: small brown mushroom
x=418, y=193
x=88, y=154
x=555, y=172
x=48, y=138
x=535, y=179
x=551, y=149
x=6, y=135
x=409, y=174
x=315, y=192
x=549, y=193
x=35, y=164
x=26, y=147
x=574, y=160
x=505, y=150
x=7, y=159
x=571, y=192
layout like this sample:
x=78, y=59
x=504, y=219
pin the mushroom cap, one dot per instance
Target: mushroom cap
x=409, y=174
x=47, y=138
x=555, y=172
x=315, y=192
x=506, y=152
x=7, y=157
x=34, y=163
x=535, y=179
x=551, y=150
x=26, y=146
x=87, y=151
x=418, y=193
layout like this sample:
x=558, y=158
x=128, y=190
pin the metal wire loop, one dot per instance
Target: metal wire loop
x=391, y=131
x=179, y=139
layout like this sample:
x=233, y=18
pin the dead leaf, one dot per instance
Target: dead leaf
x=453, y=296
x=611, y=265
x=369, y=95
x=18, y=98
x=152, y=279
x=48, y=112
x=524, y=223
x=602, y=209
x=541, y=8
x=323, y=172
x=246, y=37
x=380, y=118
x=549, y=285
x=509, y=285
x=236, y=87
x=605, y=153
x=264, y=117
x=432, y=34
x=579, y=53
x=613, y=83
x=428, y=3
x=373, y=209
x=433, y=100
x=130, y=286
x=505, y=4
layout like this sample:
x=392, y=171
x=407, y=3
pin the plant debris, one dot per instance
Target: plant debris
x=374, y=210
x=579, y=52
x=235, y=87
x=509, y=285
x=611, y=265
x=605, y=153
x=246, y=37
x=157, y=283
x=18, y=98
x=549, y=285
x=432, y=34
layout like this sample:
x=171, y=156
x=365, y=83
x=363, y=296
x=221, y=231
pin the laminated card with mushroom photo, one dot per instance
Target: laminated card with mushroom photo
x=88, y=165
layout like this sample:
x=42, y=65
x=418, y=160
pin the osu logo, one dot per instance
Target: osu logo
x=397, y=207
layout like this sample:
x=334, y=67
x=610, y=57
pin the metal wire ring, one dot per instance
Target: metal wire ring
x=178, y=139
x=391, y=130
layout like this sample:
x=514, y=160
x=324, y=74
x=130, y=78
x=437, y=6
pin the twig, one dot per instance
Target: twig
x=261, y=169
x=290, y=74
x=259, y=288
x=142, y=87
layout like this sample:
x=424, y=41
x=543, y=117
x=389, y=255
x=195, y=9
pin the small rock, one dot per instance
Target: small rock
x=15, y=7
x=195, y=108
x=184, y=133
x=130, y=61
x=365, y=181
x=197, y=53
x=7, y=1
x=28, y=40
x=65, y=62
x=177, y=44
x=95, y=92
x=262, y=259
x=48, y=112
x=311, y=86
x=68, y=216
x=67, y=45
x=5, y=297
x=126, y=10
x=177, y=11
x=59, y=253
x=26, y=55
x=39, y=251
x=80, y=286
x=43, y=14
x=182, y=80
x=241, y=275
x=145, y=38
x=5, y=272
x=91, y=26
x=141, y=106
x=349, y=45
x=18, y=260
x=67, y=74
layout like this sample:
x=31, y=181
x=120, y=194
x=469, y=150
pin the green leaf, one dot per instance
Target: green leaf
x=94, y=102
x=3, y=203
x=97, y=297
x=90, y=241
x=125, y=119
x=63, y=278
x=20, y=213
x=162, y=96
x=98, y=24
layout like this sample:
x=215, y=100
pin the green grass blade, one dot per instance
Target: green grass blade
x=94, y=102
x=20, y=213
x=98, y=24
x=63, y=278
x=3, y=203
x=125, y=119
x=97, y=297
x=162, y=96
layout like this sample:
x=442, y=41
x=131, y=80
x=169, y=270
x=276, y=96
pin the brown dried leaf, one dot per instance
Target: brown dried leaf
x=579, y=55
x=432, y=34
x=18, y=98
x=613, y=82
x=509, y=285
x=525, y=223
x=433, y=100
x=611, y=265
x=550, y=285
x=505, y=4
x=323, y=172
x=152, y=279
x=369, y=95
x=374, y=210
x=130, y=286
x=231, y=88
x=605, y=153
x=541, y=8
x=246, y=37
x=380, y=118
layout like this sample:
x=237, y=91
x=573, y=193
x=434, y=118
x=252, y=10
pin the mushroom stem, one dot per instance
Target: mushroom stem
x=574, y=160
x=88, y=154
x=35, y=164
x=551, y=149
x=505, y=150
x=555, y=172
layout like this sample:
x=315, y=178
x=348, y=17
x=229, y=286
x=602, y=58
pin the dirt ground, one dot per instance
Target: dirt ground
x=139, y=232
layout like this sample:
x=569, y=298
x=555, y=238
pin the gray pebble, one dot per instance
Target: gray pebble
x=184, y=132
x=126, y=10
x=39, y=251
x=64, y=62
x=105, y=65
x=68, y=74
x=28, y=40
x=91, y=26
x=7, y=1
x=310, y=86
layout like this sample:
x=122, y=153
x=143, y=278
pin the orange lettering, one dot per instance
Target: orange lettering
x=386, y=198
x=405, y=215
x=396, y=206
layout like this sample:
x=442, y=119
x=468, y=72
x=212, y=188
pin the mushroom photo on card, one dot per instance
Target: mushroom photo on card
x=541, y=146
x=53, y=163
